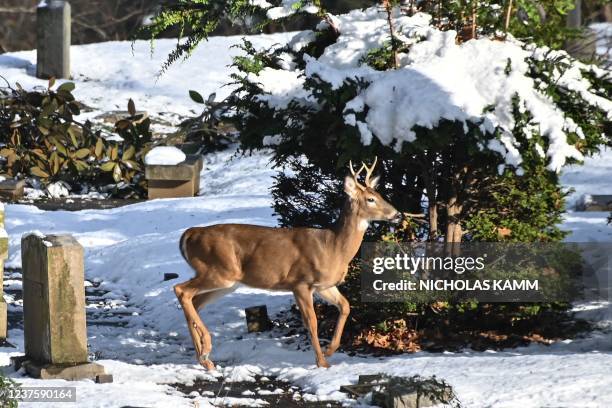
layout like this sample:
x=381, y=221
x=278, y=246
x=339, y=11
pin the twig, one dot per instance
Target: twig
x=389, y=9
x=508, y=14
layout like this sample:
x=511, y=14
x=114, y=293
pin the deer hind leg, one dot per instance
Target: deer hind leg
x=332, y=295
x=189, y=294
x=303, y=298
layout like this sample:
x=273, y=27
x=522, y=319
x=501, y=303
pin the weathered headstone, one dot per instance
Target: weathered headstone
x=596, y=202
x=53, y=23
x=3, y=256
x=170, y=181
x=585, y=45
x=11, y=189
x=257, y=319
x=54, y=308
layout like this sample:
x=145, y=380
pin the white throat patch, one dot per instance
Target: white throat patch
x=363, y=225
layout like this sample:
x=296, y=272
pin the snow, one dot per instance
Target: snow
x=437, y=79
x=290, y=7
x=128, y=250
x=165, y=156
x=133, y=73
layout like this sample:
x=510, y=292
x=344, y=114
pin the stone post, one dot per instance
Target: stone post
x=53, y=39
x=583, y=47
x=54, y=308
x=3, y=256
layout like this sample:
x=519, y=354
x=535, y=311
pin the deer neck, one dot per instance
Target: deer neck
x=349, y=231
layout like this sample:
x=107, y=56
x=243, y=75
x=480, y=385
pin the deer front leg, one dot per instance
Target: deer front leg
x=303, y=298
x=332, y=295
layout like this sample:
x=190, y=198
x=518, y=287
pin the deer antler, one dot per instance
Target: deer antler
x=356, y=175
x=369, y=171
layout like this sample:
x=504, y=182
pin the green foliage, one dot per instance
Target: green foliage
x=42, y=139
x=198, y=19
x=7, y=386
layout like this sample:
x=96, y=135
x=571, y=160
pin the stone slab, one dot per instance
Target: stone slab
x=170, y=189
x=104, y=378
x=54, y=299
x=257, y=319
x=11, y=189
x=183, y=171
x=597, y=202
x=53, y=25
x=3, y=246
x=3, y=320
x=63, y=371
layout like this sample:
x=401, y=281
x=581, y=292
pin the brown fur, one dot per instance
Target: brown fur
x=301, y=260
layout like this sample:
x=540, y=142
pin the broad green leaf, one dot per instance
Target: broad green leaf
x=82, y=153
x=38, y=172
x=196, y=97
x=108, y=166
x=128, y=153
x=66, y=87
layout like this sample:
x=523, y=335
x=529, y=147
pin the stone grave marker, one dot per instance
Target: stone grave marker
x=53, y=25
x=171, y=181
x=54, y=309
x=3, y=256
x=11, y=189
x=257, y=319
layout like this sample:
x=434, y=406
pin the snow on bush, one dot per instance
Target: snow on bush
x=165, y=156
x=437, y=78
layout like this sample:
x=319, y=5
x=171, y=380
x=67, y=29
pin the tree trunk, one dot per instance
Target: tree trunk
x=433, y=219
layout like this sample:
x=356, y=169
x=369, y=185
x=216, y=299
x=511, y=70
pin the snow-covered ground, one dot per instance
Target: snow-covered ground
x=129, y=249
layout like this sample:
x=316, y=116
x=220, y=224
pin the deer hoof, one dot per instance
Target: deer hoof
x=323, y=363
x=206, y=363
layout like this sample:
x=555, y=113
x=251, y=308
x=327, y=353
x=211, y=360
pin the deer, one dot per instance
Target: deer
x=305, y=261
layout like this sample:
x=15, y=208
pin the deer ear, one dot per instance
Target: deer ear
x=374, y=182
x=350, y=186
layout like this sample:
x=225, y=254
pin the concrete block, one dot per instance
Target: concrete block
x=104, y=378
x=3, y=320
x=53, y=24
x=181, y=180
x=54, y=300
x=257, y=319
x=402, y=396
x=17, y=362
x=63, y=371
x=11, y=189
x=3, y=246
x=596, y=202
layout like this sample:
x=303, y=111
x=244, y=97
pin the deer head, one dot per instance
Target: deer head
x=369, y=204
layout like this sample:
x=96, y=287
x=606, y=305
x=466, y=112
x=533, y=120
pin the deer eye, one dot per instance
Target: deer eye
x=371, y=200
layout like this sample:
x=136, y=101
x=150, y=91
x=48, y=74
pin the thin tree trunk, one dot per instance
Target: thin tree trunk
x=474, y=17
x=508, y=14
x=389, y=9
x=433, y=219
